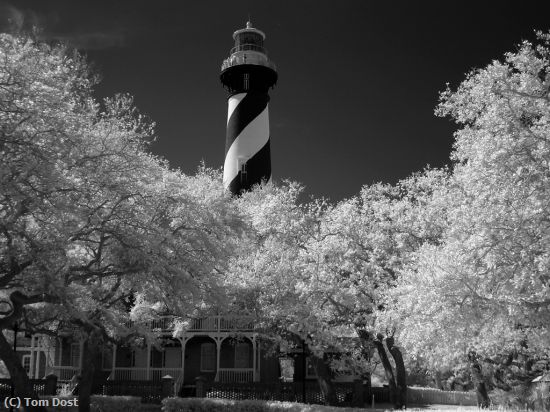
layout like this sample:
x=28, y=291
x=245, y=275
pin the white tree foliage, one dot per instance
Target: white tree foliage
x=91, y=224
x=486, y=286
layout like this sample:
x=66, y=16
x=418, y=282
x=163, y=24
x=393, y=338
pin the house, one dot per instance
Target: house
x=218, y=348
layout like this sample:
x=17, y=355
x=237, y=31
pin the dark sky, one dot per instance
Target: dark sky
x=358, y=79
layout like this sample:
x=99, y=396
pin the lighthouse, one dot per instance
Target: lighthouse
x=247, y=75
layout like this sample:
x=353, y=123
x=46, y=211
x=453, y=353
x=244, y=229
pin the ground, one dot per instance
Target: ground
x=388, y=407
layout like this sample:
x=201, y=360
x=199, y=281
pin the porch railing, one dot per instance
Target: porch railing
x=164, y=324
x=208, y=324
x=65, y=373
x=233, y=375
x=144, y=374
x=222, y=324
x=236, y=375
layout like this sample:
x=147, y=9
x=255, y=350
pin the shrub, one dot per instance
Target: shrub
x=437, y=396
x=99, y=403
x=224, y=405
x=210, y=405
x=535, y=397
x=540, y=396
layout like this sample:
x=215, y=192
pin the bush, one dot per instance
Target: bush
x=540, y=396
x=528, y=396
x=437, y=396
x=99, y=403
x=149, y=407
x=224, y=405
x=211, y=405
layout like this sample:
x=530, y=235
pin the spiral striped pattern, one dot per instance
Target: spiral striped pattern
x=247, y=152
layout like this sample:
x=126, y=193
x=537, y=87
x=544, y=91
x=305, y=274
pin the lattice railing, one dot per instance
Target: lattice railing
x=278, y=391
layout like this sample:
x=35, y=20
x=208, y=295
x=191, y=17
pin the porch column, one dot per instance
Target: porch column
x=148, y=359
x=218, y=350
x=36, y=372
x=183, y=342
x=60, y=342
x=31, y=368
x=39, y=350
x=254, y=377
x=39, y=353
x=81, y=354
x=258, y=361
x=50, y=357
x=113, y=365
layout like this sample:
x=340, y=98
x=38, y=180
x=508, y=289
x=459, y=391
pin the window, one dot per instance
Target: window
x=242, y=355
x=27, y=363
x=75, y=354
x=246, y=81
x=242, y=169
x=208, y=357
x=158, y=358
x=106, y=359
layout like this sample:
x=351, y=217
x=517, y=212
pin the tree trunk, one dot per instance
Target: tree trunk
x=90, y=364
x=388, y=369
x=479, y=382
x=19, y=378
x=400, y=374
x=367, y=393
x=438, y=382
x=367, y=350
x=323, y=377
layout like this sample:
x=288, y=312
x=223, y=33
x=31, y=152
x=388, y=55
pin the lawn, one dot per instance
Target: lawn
x=388, y=408
x=224, y=405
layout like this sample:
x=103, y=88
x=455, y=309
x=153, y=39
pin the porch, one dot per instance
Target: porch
x=221, y=349
x=215, y=357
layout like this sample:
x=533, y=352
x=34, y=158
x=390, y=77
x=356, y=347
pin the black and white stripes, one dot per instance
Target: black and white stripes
x=247, y=74
x=247, y=151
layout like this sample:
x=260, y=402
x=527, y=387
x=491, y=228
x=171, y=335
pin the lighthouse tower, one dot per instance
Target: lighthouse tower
x=247, y=74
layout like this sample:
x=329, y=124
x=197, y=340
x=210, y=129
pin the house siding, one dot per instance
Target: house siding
x=173, y=357
x=123, y=357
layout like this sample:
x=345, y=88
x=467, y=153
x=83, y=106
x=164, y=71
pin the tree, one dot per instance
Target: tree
x=322, y=273
x=363, y=244
x=38, y=88
x=485, y=288
x=94, y=230
x=269, y=278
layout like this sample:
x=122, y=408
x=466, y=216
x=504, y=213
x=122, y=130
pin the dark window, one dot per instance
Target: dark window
x=75, y=354
x=243, y=172
x=27, y=363
x=208, y=357
x=310, y=371
x=242, y=355
x=157, y=358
